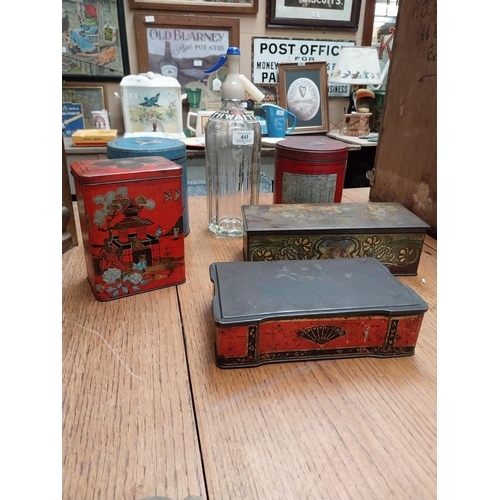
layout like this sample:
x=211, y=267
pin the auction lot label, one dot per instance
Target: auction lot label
x=267, y=53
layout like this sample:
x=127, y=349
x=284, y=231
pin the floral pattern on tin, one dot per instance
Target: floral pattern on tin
x=392, y=250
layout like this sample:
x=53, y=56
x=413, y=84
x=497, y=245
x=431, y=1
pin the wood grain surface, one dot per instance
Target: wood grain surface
x=128, y=424
x=145, y=415
x=338, y=429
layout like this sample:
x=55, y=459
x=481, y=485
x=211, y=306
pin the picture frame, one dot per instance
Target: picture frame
x=97, y=50
x=214, y=6
x=196, y=43
x=368, y=23
x=303, y=90
x=91, y=97
x=336, y=15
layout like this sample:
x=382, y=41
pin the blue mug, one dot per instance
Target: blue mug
x=276, y=120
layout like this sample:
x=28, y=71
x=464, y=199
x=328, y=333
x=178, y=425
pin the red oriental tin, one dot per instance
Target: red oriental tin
x=307, y=310
x=309, y=169
x=132, y=225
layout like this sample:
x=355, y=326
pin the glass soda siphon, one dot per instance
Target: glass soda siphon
x=232, y=148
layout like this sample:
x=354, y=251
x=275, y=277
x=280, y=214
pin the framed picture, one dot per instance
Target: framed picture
x=303, y=90
x=183, y=46
x=339, y=15
x=91, y=97
x=94, y=41
x=217, y=6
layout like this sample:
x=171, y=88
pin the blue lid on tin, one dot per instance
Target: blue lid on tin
x=171, y=149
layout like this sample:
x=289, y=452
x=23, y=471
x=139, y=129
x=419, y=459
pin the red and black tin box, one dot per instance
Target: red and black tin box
x=386, y=231
x=132, y=225
x=307, y=310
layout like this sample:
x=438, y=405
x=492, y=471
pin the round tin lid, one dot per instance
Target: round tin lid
x=313, y=147
x=147, y=146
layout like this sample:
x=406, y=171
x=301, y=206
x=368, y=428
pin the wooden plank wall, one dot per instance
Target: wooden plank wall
x=406, y=160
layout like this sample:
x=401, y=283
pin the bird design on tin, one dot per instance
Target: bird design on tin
x=150, y=102
x=168, y=194
x=321, y=334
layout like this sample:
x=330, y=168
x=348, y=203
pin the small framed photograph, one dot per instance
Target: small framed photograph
x=339, y=15
x=91, y=97
x=183, y=46
x=213, y=6
x=303, y=90
x=94, y=41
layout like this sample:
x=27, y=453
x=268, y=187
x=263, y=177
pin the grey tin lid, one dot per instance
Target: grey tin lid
x=346, y=217
x=246, y=292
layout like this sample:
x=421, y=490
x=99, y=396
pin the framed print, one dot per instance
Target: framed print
x=184, y=46
x=91, y=97
x=303, y=90
x=215, y=6
x=94, y=41
x=339, y=15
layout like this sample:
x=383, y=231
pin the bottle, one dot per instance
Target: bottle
x=169, y=67
x=232, y=148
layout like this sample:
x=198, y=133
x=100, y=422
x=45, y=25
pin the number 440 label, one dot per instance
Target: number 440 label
x=242, y=137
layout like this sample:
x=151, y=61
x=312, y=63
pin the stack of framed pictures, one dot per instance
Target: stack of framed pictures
x=78, y=102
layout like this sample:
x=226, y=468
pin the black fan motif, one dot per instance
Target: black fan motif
x=322, y=334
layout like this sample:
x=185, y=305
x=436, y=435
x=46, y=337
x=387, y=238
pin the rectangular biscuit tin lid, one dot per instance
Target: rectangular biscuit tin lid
x=124, y=169
x=371, y=216
x=246, y=292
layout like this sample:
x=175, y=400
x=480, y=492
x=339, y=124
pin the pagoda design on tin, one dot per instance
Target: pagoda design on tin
x=137, y=250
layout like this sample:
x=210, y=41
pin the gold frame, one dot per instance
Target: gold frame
x=87, y=107
x=288, y=74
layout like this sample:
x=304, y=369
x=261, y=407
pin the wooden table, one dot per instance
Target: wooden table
x=147, y=412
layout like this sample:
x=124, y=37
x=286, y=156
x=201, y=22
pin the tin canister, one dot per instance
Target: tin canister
x=131, y=219
x=151, y=102
x=172, y=149
x=309, y=169
x=272, y=311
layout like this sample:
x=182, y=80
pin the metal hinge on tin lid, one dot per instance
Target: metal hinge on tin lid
x=370, y=175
